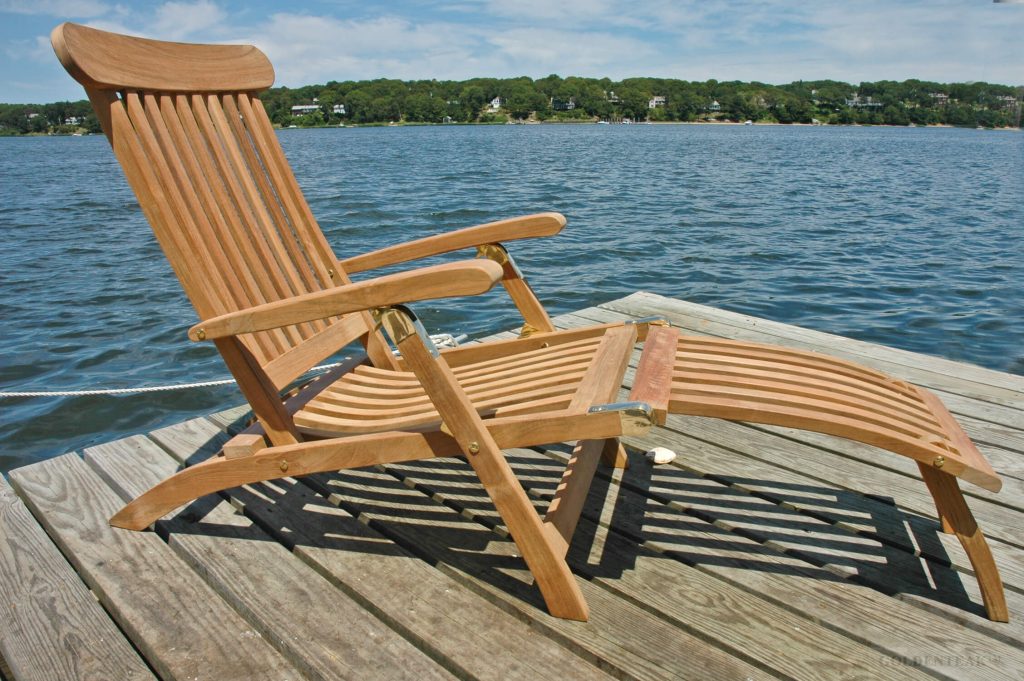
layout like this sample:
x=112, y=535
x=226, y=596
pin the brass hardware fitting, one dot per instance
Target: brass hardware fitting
x=939, y=462
x=330, y=273
x=284, y=466
x=528, y=330
x=495, y=252
x=474, y=447
x=500, y=255
x=201, y=334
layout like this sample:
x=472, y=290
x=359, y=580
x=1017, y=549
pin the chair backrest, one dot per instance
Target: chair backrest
x=201, y=155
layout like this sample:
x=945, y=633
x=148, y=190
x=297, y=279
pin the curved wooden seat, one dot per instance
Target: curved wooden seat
x=369, y=399
x=773, y=385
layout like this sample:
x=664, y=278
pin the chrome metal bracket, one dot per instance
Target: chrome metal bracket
x=654, y=320
x=637, y=417
x=400, y=322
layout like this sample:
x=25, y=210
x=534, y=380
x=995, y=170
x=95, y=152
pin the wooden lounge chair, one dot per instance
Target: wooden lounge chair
x=199, y=151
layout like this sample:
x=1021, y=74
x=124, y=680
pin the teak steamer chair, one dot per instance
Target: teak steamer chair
x=201, y=155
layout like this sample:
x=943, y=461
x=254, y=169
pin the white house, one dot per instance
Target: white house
x=714, y=106
x=338, y=109
x=656, y=101
x=303, y=109
x=497, y=103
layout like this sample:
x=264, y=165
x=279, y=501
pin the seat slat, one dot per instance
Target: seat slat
x=807, y=390
x=740, y=349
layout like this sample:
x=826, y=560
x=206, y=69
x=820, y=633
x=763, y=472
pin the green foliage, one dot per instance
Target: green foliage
x=432, y=101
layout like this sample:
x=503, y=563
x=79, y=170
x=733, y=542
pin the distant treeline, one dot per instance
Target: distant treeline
x=486, y=100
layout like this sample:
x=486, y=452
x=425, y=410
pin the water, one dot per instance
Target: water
x=907, y=237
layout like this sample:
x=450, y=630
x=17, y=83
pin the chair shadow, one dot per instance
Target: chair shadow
x=437, y=511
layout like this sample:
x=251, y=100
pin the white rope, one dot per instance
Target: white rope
x=441, y=339
x=131, y=391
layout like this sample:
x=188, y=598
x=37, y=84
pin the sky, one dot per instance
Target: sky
x=772, y=41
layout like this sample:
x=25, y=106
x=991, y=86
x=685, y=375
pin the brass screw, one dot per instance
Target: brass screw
x=284, y=466
x=330, y=273
x=201, y=334
x=474, y=447
x=544, y=345
x=939, y=462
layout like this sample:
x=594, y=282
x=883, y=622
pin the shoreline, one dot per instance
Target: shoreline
x=570, y=122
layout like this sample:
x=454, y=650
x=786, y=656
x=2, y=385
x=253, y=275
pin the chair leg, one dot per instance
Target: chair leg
x=614, y=455
x=957, y=519
x=542, y=546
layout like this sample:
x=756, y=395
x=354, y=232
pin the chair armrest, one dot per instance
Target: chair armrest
x=463, y=278
x=525, y=227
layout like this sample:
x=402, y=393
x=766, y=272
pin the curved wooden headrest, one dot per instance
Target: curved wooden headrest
x=111, y=61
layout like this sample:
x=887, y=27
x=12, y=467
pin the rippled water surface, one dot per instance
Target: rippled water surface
x=908, y=237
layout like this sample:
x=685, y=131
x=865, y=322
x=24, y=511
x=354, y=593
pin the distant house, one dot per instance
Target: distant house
x=714, y=106
x=338, y=109
x=612, y=97
x=303, y=109
x=657, y=101
x=1008, y=102
x=497, y=103
x=941, y=98
x=563, y=104
x=74, y=120
x=30, y=116
x=855, y=100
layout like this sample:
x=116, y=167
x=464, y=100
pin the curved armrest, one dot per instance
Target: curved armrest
x=525, y=227
x=463, y=278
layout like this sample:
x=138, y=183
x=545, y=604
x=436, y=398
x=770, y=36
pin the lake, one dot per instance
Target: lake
x=909, y=237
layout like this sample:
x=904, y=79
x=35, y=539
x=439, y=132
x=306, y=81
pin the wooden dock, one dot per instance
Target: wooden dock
x=760, y=553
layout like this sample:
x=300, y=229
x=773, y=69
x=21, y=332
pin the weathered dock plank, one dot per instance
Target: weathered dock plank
x=731, y=618
x=629, y=640
x=470, y=636
x=51, y=626
x=761, y=552
x=652, y=514
x=322, y=631
x=182, y=627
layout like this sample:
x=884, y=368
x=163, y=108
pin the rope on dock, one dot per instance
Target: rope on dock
x=442, y=340
x=131, y=391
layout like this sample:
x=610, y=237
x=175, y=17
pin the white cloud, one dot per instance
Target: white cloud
x=180, y=20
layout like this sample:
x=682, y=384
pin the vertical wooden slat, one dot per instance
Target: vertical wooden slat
x=213, y=185
x=293, y=265
x=260, y=231
x=306, y=228
x=151, y=178
x=377, y=348
x=218, y=275
x=296, y=224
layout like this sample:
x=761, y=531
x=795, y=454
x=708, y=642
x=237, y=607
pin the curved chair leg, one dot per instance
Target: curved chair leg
x=304, y=458
x=957, y=517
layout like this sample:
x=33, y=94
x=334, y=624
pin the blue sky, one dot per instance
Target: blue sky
x=313, y=41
